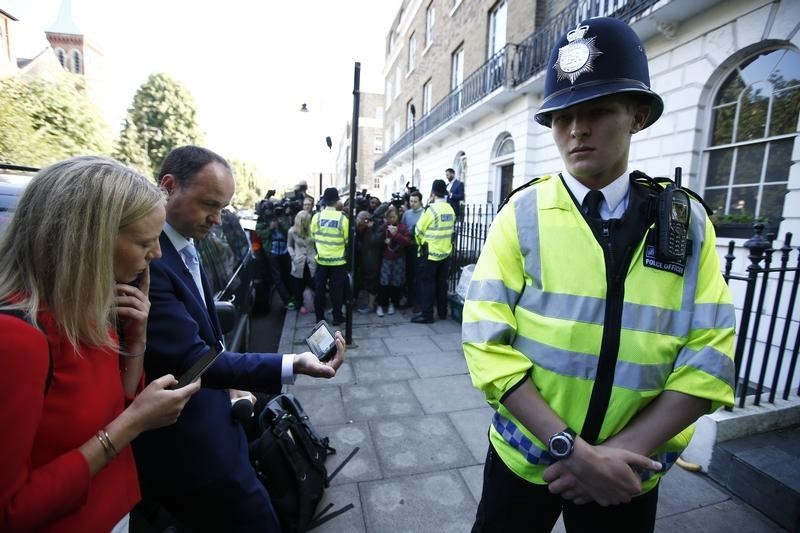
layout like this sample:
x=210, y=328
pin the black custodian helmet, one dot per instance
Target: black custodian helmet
x=601, y=56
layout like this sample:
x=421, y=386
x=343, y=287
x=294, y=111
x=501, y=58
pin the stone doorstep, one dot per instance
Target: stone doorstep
x=722, y=426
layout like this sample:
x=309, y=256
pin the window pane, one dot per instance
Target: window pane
x=780, y=157
x=723, y=125
x=761, y=67
x=729, y=92
x=749, y=161
x=719, y=167
x=785, y=108
x=772, y=201
x=716, y=198
x=743, y=200
x=753, y=112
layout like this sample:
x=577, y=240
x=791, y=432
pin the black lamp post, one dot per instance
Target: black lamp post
x=413, y=137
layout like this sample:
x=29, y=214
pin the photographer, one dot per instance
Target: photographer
x=410, y=218
x=393, y=263
x=274, y=221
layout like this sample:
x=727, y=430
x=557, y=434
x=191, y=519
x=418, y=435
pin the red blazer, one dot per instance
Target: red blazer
x=44, y=479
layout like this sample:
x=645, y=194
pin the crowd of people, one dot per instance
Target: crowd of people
x=401, y=254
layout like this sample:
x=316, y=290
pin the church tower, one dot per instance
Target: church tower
x=77, y=53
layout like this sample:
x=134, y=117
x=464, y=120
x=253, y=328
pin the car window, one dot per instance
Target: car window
x=223, y=250
x=11, y=187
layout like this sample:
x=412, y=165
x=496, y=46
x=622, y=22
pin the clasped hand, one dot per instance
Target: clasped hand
x=599, y=473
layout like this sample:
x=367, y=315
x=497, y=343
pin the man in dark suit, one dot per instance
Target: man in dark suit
x=455, y=191
x=198, y=469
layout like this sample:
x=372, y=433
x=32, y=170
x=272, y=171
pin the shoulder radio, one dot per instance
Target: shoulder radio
x=673, y=221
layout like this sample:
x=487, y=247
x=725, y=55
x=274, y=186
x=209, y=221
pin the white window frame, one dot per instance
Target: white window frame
x=498, y=28
x=427, y=94
x=430, y=21
x=412, y=51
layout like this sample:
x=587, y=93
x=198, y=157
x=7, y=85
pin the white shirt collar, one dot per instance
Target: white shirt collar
x=615, y=194
x=178, y=241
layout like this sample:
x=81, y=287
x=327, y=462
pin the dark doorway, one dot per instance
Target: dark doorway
x=506, y=181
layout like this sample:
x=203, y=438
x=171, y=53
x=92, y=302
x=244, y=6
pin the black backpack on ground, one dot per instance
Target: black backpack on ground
x=289, y=458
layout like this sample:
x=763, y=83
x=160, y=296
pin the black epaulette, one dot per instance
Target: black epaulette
x=518, y=189
x=658, y=184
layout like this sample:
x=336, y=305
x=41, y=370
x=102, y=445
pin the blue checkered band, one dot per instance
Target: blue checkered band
x=516, y=438
x=536, y=456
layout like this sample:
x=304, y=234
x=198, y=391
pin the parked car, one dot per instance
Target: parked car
x=225, y=254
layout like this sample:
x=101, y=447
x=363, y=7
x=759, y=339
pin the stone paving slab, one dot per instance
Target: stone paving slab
x=416, y=444
x=379, y=400
x=436, y=502
x=473, y=477
x=367, y=348
x=376, y=369
x=723, y=517
x=323, y=405
x=434, y=364
x=351, y=521
x=473, y=428
x=411, y=345
x=410, y=330
x=344, y=438
x=682, y=491
x=446, y=326
x=448, y=341
x=448, y=393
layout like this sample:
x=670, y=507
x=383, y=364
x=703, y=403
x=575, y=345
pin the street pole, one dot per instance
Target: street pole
x=351, y=241
x=413, y=138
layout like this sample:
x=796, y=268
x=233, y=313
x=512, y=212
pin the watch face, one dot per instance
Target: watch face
x=560, y=445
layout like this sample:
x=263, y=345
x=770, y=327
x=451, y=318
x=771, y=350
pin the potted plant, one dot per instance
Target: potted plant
x=741, y=225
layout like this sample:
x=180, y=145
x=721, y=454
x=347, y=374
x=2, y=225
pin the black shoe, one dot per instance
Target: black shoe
x=421, y=320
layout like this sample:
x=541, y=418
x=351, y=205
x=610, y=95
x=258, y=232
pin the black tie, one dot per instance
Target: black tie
x=591, y=204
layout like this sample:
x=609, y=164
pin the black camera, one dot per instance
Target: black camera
x=362, y=200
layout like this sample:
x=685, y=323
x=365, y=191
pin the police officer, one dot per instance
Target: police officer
x=596, y=350
x=329, y=230
x=434, y=237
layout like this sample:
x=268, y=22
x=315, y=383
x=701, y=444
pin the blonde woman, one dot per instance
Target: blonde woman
x=74, y=269
x=302, y=252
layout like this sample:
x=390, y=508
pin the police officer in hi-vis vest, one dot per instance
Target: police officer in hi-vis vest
x=434, y=237
x=329, y=230
x=597, y=322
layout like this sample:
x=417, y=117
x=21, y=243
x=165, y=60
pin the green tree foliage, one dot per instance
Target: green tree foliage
x=42, y=121
x=249, y=189
x=163, y=116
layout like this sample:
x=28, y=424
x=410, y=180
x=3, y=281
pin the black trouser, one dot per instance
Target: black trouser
x=280, y=266
x=338, y=276
x=511, y=504
x=432, y=286
x=389, y=293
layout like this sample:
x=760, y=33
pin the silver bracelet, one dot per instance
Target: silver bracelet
x=123, y=353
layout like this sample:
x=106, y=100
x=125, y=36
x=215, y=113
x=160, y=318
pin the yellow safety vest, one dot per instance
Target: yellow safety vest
x=329, y=230
x=536, y=307
x=435, y=227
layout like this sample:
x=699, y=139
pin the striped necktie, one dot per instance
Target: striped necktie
x=189, y=253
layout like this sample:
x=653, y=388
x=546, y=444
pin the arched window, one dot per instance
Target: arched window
x=753, y=131
x=77, y=64
x=460, y=166
x=60, y=55
x=505, y=147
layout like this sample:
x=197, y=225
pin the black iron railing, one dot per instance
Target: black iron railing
x=471, y=227
x=766, y=353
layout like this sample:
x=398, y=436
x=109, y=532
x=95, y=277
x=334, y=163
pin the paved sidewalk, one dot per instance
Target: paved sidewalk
x=404, y=397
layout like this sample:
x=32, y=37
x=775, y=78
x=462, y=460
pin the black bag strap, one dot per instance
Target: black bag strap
x=18, y=313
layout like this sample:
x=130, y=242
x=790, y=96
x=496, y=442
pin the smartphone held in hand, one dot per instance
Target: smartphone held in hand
x=322, y=341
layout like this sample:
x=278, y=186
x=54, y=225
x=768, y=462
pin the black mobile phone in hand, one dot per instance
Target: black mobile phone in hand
x=198, y=368
x=322, y=341
x=673, y=221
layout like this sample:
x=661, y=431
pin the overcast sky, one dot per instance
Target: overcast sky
x=249, y=64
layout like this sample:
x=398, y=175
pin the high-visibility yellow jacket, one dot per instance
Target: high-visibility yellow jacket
x=435, y=228
x=329, y=230
x=536, y=306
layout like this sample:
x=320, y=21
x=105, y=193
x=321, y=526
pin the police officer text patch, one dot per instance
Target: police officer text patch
x=652, y=261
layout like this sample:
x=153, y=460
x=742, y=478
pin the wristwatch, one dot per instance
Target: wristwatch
x=561, y=444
